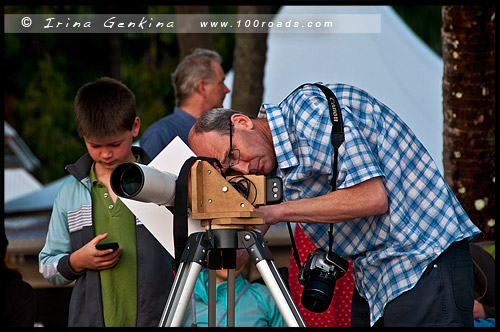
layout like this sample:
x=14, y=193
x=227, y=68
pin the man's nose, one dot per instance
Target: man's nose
x=242, y=167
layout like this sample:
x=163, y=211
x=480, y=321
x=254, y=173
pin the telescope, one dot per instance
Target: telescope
x=150, y=185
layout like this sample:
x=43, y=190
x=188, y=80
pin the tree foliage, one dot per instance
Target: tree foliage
x=425, y=21
x=48, y=126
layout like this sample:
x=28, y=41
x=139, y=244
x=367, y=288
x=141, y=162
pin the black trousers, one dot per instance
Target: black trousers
x=444, y=295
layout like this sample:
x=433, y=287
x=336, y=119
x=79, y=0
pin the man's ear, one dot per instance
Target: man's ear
x=242, y=121
x=200, y=87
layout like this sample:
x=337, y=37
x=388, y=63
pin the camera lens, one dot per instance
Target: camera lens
x=131, y=180
x=318, y=291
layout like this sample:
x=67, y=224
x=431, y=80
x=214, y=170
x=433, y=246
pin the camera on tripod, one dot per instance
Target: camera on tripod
x=258, y=189
x=318, y=275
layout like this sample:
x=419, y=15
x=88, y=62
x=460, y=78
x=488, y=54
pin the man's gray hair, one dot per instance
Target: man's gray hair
x=216, y=119
x=194, y=67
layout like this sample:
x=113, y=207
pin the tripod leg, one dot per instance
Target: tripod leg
x=191, y=263
x=280, y=293
x=230, y=297
x=180, y=295
x=262, y=258
x=229, y=263
x=214, y=263
x=212, y=298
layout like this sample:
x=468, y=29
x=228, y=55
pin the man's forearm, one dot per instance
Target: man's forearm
x=365, y=199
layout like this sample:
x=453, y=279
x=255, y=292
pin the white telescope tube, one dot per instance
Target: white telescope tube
x=143, y=183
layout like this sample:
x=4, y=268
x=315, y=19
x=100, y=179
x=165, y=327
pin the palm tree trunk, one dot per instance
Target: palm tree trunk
x=468, y=44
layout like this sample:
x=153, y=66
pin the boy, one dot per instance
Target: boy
x=254, y=305
x=128, y=286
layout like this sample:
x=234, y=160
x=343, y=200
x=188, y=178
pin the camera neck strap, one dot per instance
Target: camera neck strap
x=181, y=205
x=337, y=138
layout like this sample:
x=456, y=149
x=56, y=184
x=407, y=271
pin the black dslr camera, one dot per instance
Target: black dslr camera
x=318, y=275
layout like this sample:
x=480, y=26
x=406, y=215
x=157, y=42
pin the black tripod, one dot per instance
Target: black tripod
x=225, y=241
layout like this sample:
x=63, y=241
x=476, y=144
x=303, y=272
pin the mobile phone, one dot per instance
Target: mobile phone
x=104, y=246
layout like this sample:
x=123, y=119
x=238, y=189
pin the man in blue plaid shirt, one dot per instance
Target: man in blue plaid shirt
x=392, y=213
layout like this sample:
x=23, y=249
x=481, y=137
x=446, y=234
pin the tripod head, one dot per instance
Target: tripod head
x=217, y=203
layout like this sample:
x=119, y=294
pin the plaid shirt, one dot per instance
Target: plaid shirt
x=391, y=251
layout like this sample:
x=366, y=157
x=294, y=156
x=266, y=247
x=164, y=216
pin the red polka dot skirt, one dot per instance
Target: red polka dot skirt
x=339, y=312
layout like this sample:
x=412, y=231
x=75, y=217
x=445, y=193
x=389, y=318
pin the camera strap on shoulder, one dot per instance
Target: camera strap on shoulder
x=181, y=205
x=337, y=138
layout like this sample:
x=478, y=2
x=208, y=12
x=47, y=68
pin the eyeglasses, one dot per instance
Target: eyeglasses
x=233, y=157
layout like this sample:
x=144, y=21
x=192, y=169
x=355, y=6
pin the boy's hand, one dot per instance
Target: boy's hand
x=88, y=257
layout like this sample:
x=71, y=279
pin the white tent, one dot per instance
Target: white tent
x=395, y=66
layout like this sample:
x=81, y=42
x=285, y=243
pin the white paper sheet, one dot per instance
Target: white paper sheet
x=158, y=219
